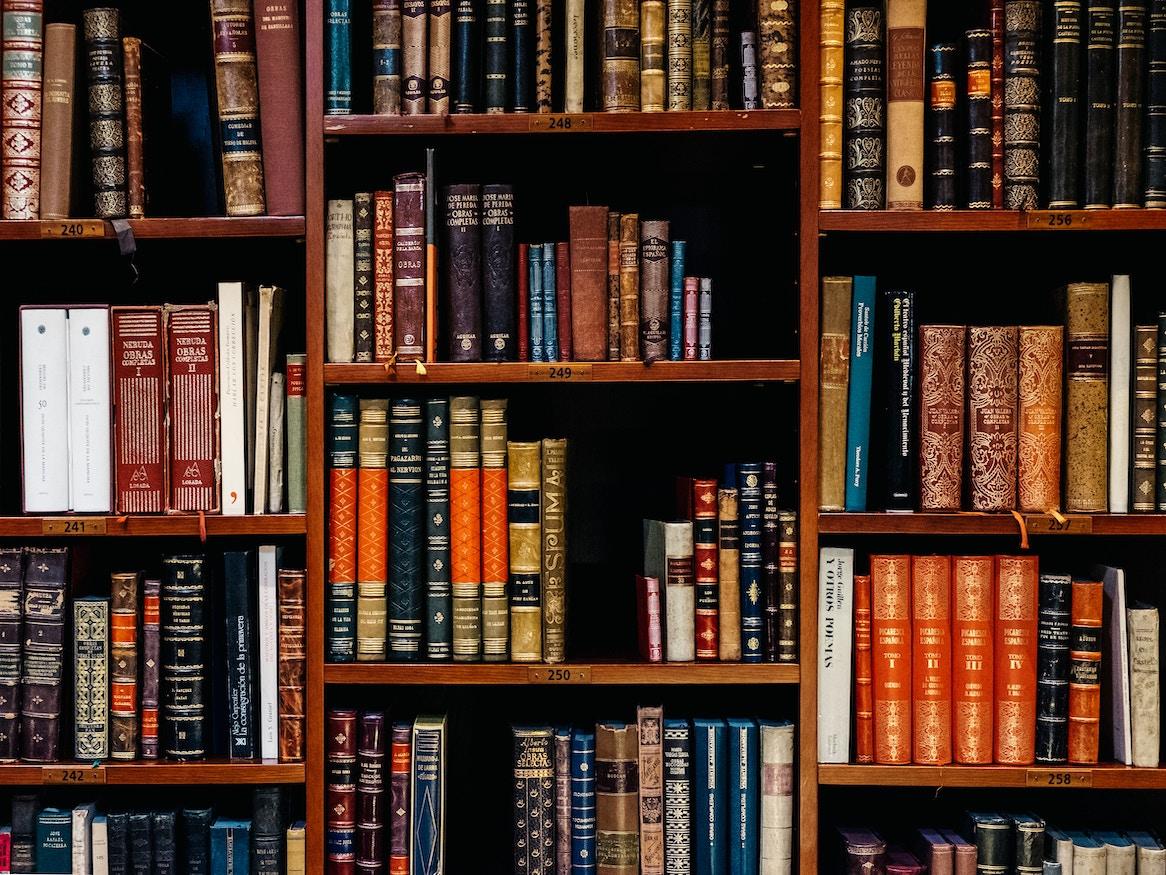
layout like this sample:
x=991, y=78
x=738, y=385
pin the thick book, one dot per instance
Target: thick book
x=140, y=831
x=729, y=569
x=57, y=118
x=896, y=337
x=239, y=596
x=1145, y=705
x=963, y=853
x=1038, y=417
x=705, y=566
x=1015, y=656
x=1143, y=476
x=679, y=35
x=833, y=389
x=978, y=165
x=438, y=596
x=553, y=523
x=906, y=27
x=495, y=533
x=400, y=795
x=338, y=57
x=668, y=557
x=90, y=445
x=650, y=723
x=362, y=276
x=939, y=189
x=777, y=797
x=370, y=791
x=406, y=532
x=1120, y=375
x=1115, y=690
x=653, y=76
x=499, y=338
x=372, y=534
x=1052, y=691
x=1064, y=122
x=106, y=102
x=54, y=840
x=863, y=678
x=465, y=77
x=42, y=663
x=123, y=665
x=151, y=665
x=831, y=25
x=91, y=678
x=291, y=673
x=678, y=805
x=941, y=416
x=193, y=408
x=185, y=657
x=465, y=499
x=562, y=854
x=463, y=253
x=862, y=335
x=993, y=837
x=281, y=111
x=1129, y=104
x=409, y=263
x=268, y=822
x=386, y=55
x=164, y=838
x=339, y=279
x=342, y=528
x=524, y=475
x=340, y=789
x=654, y=282
x=992, y=397
x=864, y=120
x=835, y=622
x=1160, y=416
x=931, y=666
x=23, y=56
x=710, y=791
x=1086, y=396
x=1155, y=129
x=617, y=784
x=1022, y=99
x=744, y=772
x=1151, y=856
x=297, y=848
x=702, y=54
x=1100, y=87
x=863, y=849
x=891, y=652
x=778, y=38
x=44, y=409
x=237, y=87
x=589, y=270
x=752, y=595
x=620, y=56
x=11, y=641
x=534, y=799
x=427, y=830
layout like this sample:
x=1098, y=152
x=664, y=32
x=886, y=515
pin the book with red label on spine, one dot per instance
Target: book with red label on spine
x=139, y=398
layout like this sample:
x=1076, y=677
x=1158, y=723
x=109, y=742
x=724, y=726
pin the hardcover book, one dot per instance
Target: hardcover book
x=340, y=789
x=890, y=578
x=438, y=593
x=238, y=95
x=710, y=792
x=649, y=635
x=414, y=56
x=42, y=663
x=1155, y=131
x=668, y=556
x=525, y=550
x=897, y=322
x=629, y=281
x=400, y=796
x=91, y=678
x=931, y=672
x=777, y=797
x=185, y=657
x=268, y=822
x=338, y=57
x=106, y=101
x=534, y=799
x=563, y=798
x=979, y=119
x=44, y=409
x=382, y=271
x=617, y=785
x=679, y=33
x=1039, y=417
x=940, y=188
x=362, y=276
x=139, y=393
x=1143, y=485
x=520, y=91
x=409, y=255
x=1101, y=31
x=239, y=596
x=497, y=58
x=427, y=830
x=728, y=575
x=544, y=79
x=23, y=53
x=151, y=665
x=339, y=279
x=701, y=54
x=342, y=528
x=583, y=822
x=941, y=416
x=60, y=95
x=370, y=791
x=1052, y=693
x=1120, y=376
x=372, y=569
x=437, y=90
x=499, y=336
x=1086, y=396
x=554, y=550
x=1064, y=105
x=650, y=722
x=466, y=527
x=992, y=395
x=678, y=805
x=123, y=666
x=292, y=671
x=495, y=533
x=654, y=281
x=831, y=25
x=463, y=247
x=281, y=111
x=620, y=56
x=743, y=795
x=589, y=269
x=906, y=28
x=749, y=489
x=652, y=75
x=705, y=562
x=1022, y=99
x=1015, y=654
x=862, y=328
x=11, y=642
x=405, y=529
x=835, y=622
x=1145, y=706
x=863, y=680
x=1129, y=105
x=193, y=410
x=834, y=381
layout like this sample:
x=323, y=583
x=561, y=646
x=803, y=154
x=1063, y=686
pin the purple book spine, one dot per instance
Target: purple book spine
x=399, y=797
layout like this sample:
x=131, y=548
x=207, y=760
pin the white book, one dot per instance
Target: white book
x=1120, y=854
x=1145, y=704
x=82, y=840
x=270, y=323
x=777, y=800
x=835, y=646
x=1151, y=856
x=339, y=294
x=1115, y=690
x=100, y=845
x=250, y=363
x=1119, y=395
x=1088, y=855
x=1060, y=848
x=275, y=454
x=232, y=401
x=90, y=411
x=665, y=545
x=575, y=31
x=268, y=653
x=44, y=408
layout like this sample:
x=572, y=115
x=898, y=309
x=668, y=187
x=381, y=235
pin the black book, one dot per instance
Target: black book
x=239, y=596
x=979, y=114
x=268, y=822
x=141, y=843
x=521, y=56
x=1064, y=106
x=466, y=79
x=1028, y=843
x=196, y=840
x=463, y=261
x=1052, y=691
x=11, y=581
x=498, y=277
x=184, y=657
x=107, y=117
x=1022, y=68
x=24, y=810
x=864, y=117
x=1129, y=104
x=897, y=326
x=941, y=121
x=770, y=540
x=992, y=836
x=497, y=54
x=438, y=588
x=165, y=855
x=45, y=576
x=117, y=828
x=362, y=276
x=534, y=798
x=1156, y=107
x=1099, y=89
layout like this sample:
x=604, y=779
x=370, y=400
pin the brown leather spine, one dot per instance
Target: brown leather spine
x=292, y=666
x=382, y=285
x=1039, y=416
x=588, y=283
x=890, y=578
x=614, y=220
x=413, y=26
x=729, y=575
x=281, y=108
x=931, y=659
x=996, y=16
x=906, y=39
x=409, y=266
x=123, y=666
x=621, y=55
x=629, y=287
x=654, y=282
x=1145, y=418
x=617, y=808
x=238, y=96
x=863, y=691
x=563, y=299
x=719, y=53
x=1086, y=397
x=1015, y=659
x=833, y=386
x=777, y=22
x=1085, y=671
x=992, y=417
x=941, y=417
x=135, y=169
x=972, y=670
x=57, y=120
x=652, y=75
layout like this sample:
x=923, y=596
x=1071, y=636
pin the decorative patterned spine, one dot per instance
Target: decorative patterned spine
x=185, y=657
x=11, y=640
x=123, y=667
x=992, y=395
x=538, y=350
x=1160, y=418
x=787, y=631
x=439, y=607
x=1064, y=105
x=400, y=799
x=386, y=56
x=543, y=79
x=102, y=30
x=413, y=34
x=406, y=532
x=135, y=170
x=749, y=476
x=1099, y=96
x=902, y=416
x=463, y=243
x=729, y=581
x=650, y=720
x=372, y=570
x=677, y=796
x=719, y=55
x=1052, y=691
x=779, y=38
x=704, y=539
x=292, y=671
x=238, y=93
x=521, y=54
x=575, y=35
x=550, y=303
x=1129, y=104
x=652, y=75
x=833, y=388
x=427, y=839
x=466, y=72
x=495, y=534
x=370, y=792
x=972, y=666
x=676, y=301
x=498, y=272
x=340, y=790
x=1022, y=98
x=1145, y=418
x=91, y=678
x=439, y=24
x=409, y=265
x=679, y=54
x=534, y=800
x=563, y=799
x=465, y=527
x=941, y=416
x=617, y=787
x=363, y=290
x=1155, y=107
x=890, y=578
x=525, y=550
x=1085, y=671
x=996, y=25
x=1086, y=397
x=864, y=119
x=701, y=54
x=750, y=96
x=497, y=55
x=770, y=570
x=342, y=534
x=1015, y=660
x=614, y=285
x=583, y=801
x=979, y=105
x=151, y=664
x=941, y=193
x=1039, y=417
x=338, y=33
x=906, y=38
x=621, y=55
x=653, y=329
x=23, y=56
x=554, y=549
x=629, y=287
x=931, y=659
x=863, y=690
x=831, y=18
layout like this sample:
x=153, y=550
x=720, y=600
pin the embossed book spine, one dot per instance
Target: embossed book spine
x=704, y=334
x=1099, y=102
x=1155, y=106
x=91, y=678
x=1015, y=645
x=463, y=252
x=60, y=68
x=617, y=784
x=1022, y=99
x=654, y=280
x=779, y=639
x=906, y=26
x=1039, y=417
x=940, y=189
x=629, y=287
x=498, y=273
x=340, y=791
x=534, y=799
x=652, y=75
x=192, y=358
x=239, y=595
x=338, y=49
x=729, y=580
x=862, y=327
x=562, y=853
x=362, y=276
x=589, y=269
x=139, y=392
x=864, y=128
x=831, y=17
x=524, y=351
x=409, y=266
x=543, y=79
x=890, y=578
x=520, y=87
x=185, y=657
x=238, y=97
x=901, y=398
x=495, y=534
x=749, y=489
x=1145, y=419
x=151, y=665
x=648, y=626
x=719, y=55
x=620, y=56
x=992, y=395
x=833, y=388
x=676, y=301
x=863, y=683
x=386, y=56
x=525, y=550
x=372, y=519
x=679, y=54
x=382, y=276
x=650, y=720
x=1085, y=671
x=538, y=343
x=1086, y=397
x=704, y=538
x=996, y=25
x=135, y=170
x=554, y=549
x=370, y=792
x=339, y=279
x=497, y=55
x=1129, y=104
x=701, y=54
x=415, y=39
x=438, y=594
x=778, y=38
x=405, y=527
x=941, y=416
x=427, y=829
x=1052, y=692
x=11, y=641
x=614, y=285
x=281, y=112
x=1160, y=431
x=20, y=119
x=437, y=92
x=979, y=119
x=678, y=805
x=1064, y=105
x=563, y=299
x=292, y=671
x=123, y=666
x=465, y=496
x=1145, y=702
x=400, y=798
x=343, y=476
x=931, y=659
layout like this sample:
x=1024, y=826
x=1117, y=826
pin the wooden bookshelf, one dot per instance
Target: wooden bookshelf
x=989, y=524
x=81, y=525
x=143, y=772
x=938, y=221
x=1069, y=777
x=785, y=371
x=536, y=674
x=206, y=227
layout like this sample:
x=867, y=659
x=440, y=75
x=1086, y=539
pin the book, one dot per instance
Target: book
x=400, y=795
x=654, y=284
x=650, y=723
x=710, y=796
x=574, y=62
x=676, y=301
x=668, y=557
x=750, y=98
x=589, y=268
x=409, y=255
x=497, y=56
x=931, y=669
x=652, y=62
x=939, y=190
x=495, y=533
x=91, y=678
x=427, y=834
x=192, y=366
x=44, y=409
x=705, y=566
x=906, y=25
x=831, y=28
x=123, y=665
x=1115, y=692
x=521, y=44
x=1129, y=105
x=1143, y=484
x=11, y=642
x=1066, y=28
x=340, y=787
x=617, y=798
x=42, y=662
x=184, y=616
x=1142, y=622
x=691, y=317
x=59, y=97
x=897, y=341
x=233, y=389
x=139, y=832
x=270, y=318
x=863, y=681
x=1151, y=856
x=90, y=448
x=438, y=595
x=296, y=848
x=292, y=670
x=1015, y=654
x=151, y=665
x=1022, y=98
x=620, y=57
x=339, y=280
x=230, y=845
x=701, y=54
x=463, y=245
x=1086, y=396
x=1120, y=375
x=1052, y=692
x=362, y=276
x=614, y=286
x=370, y=789
x=863, y=848
x=649, y=637
x=106, y=104
x=268, y=823
x=941, y=416
x=679, y=35
x=743, y=838
x=1155, y=132
x=414, y=21
x=537, y=301
x=677, y=795
x=728, y=573
x=383, y=268
x=296, y=429
x=338, y=57
x=629, y=284
x=778, y=38
x=992, y=396
x=833, y=389
x=1120, y=854
x=465, y=527
x=550, y=303
x=238, y=97
x=139, y=391
x=1101, y=30
x=704, y=333
x=99, y=848
x=534, y=799
x=406, y=499
x=342, y=528
x=749, y=491
x=281, y=111
x=386, y=23
x=524, y=474
x=54, y=840
x=978, y=44
x=583, y=811
x=239, y=596
x=562, y=854
x=862, y=333
x=466, y=52
x=835, y=623
x=891, y=646
x=777, y=797
x=563, y=300
x=498, y=265
x=553, y=524
x=372, y=566
x=973, y=671
x=1038, y=417
x=437, y=90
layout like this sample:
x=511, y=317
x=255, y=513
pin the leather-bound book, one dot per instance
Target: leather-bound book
x=1086, y=396
x=340, y=773
x=574, y=61
x=1029, y=843
x=676, y=301
x=863, y=681
x=679, y=54
x=438, y=593
x=562, y=855
x=704, y=335
x=400, y=798
x=23, y=843
x=343, y=442
x=281, y=112
x=140, y=827
x=901, y=402
x=772, y=583
x=151, y=659
x=864, y=121
x=652, y=75
x=90, y=678
x=654, y=282
x=1015, y=643
x=906, y=27
x=406, y=529
x=415, y=43
x=123, y=666
x=1155, y=132
x=465, y=497
x=940, y=189
x=677, y=795
x=777, y=792
x=524, y=474
x=668, y=555
x=497, y=55
x=996, y=25
x=750, y=90
x=743, y=773
x=185, y=657
x=1039, y=417
x=992, y=836
x=498, y=295
x=890, y=578
x=941, y=416
x=749, y=476
x=1100, y=41
x=1129, y=104
x=617, y=785
x=1022, y=99
x=933, y=849
x=1085, y=671
x=777, y=23
x=534, y=799
x=466, y=74
x=463, y=253
x=362, y=277
x=1145, y=418
x=370, y=791
x=588, y=267
x=1052, y=691
x=563, y=299
x=979, y=119
x=649, y=626
x=196, y=839
x=963, y=853
x=543, y=79
x=268, y=822
x=701, y=54
x=550, y=290
x=437, y=92
x=139, y=391
x=11, y=641
x=902, y=862
x=20, y=119
x=719, y=54
x=1160, y=452
x=729, y=581
x=650, y=723
x=931, y=673
x=992, y=394
x=339, y=280
x=538, y=340
x=704, y=541
x=60, y=68
x=554, y=549
x=238, y=95
x=614, y=285
x=386, y=57
x=192, y=348
x=863, y=850
x=338, y=57
x=102, y=31
x=241, y=632
x=621, y=55
x=833, y=391
x=495, y=533
x=1064, y=123
x=135, y=168
x=830, y=24
x=409, y=265
x=629, y=287
x=292, y=670
x=372, y=518
x=521, y=86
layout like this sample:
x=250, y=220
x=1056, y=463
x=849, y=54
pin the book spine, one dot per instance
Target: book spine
x=996, y=25
x=1015, y=647
x=648, y=625
x=941, y=416
x=575, y=39
x=139, y=392
x=44, y=416
x=710, y=790
x=409, y=263
x=57, y=120
x=743, y=772
x=406, y=497
x=238, y=95
x=466, y=76
x=673, y=563
x=428, y=824
x=705, y=563
x=267, y=633
x=862, y=327
x=620, y=55
x=495, y=534
x=864, y=130
x=582, y=836
x=652, y=67
x=831, y=24
x=554, y=549
x=233, y=389
x=524, y=475
x=239, y=588
x=890, y=578
x=588, y=283
x=972, y=667
x=339, y=280
x=1052, y=693
x=704, y=334
x=770, y=562
x=1039, y=417
x=778, y=38
x=23, y=54
x=563, y=300
x=123, y=667
x=1129, y=104
x=1099, y=102
x=281, y=113
x=1022, y=96
x=497, y=55
x=135, y=170
x=1145, y=418
x=650, y=726
x=676, y=302
x=338, y=36
x=701, y=54
x=1085, y=671
x=342, y=529
x=400, y=798
x=787, y=631
x=1120, y=385
x=522, y=56
x=677, y=797
x=777, y=792
x=750, y=98
x=465, y=495
x=679, y=55
x=292, y=672
x=362, y=277
x=382, y=302
x=192, y=347
x=1145, y=707
x=1086, y=397
x=538, y=342
x=562, y=841
x=543, y=79
x=498, y=273
x=719, y=55
x=833, y=388
x=1160, y=416
x=906, y=24
x=11, y=599
x=340, y=776
x=90, y=450
x=372, y=516
x=534, y=800
x=437, y=92
x=91, y=678
x=749, y=490
x=296, y=401
x=617, y=788
x=979, y=119
x=438, y=595
x=1064, y=104
x=370, y=792
x=614, y=285
x=654, y=279
x=1155, y=106
x=185, y=657
x=902, y=439
x=463, y=242
x=992, y=396
x=931, y=659
x=835, y=643
x=550, y=304
x=413, y=33
x=863, y=689
x=524, y=302
x=629, y=286
x=151, y=656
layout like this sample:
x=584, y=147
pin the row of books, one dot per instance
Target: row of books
x=981, y=659
x=993, y=842
x=722, y=583
x=355, y=804
x=617, y=290
x=677, y=55
x=980, y=417
x=88, y=840
x=146, y=409
x=163, y=696
x=129, y=100
x=446, y=540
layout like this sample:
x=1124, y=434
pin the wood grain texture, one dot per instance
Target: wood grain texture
x=143, y=773
x=976, y=524
x=1105, y=777
x=773, y=370
x=629, y=122
x=609, y=673
x=929, y=221
x=168, y=525
x=171, y=229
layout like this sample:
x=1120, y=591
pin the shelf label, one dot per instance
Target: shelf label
x=70, y=525
x=553, y=373
x=561, y=122
x=1056, y=220
x=75, y=775
x=1059, y=777
x=559, y=675
x=72, y=228
x=1068, y=524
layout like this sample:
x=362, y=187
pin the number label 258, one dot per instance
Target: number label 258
x=1059, y=778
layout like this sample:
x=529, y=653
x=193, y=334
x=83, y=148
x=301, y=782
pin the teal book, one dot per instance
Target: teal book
x=550, y=304
x=427, y=833
x=858, y=409
x=538, y=351
x=676, y=302
x=744, y=796
x=710, y=797
x=338, y=38
x=54, y=841
x=231, y=847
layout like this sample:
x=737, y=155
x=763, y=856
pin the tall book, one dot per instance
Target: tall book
x=362, y=276
x=629, y=287
x=281, y=112
x=91, y=678
x=339, y=281
x=1022, y=68
x=292, y=671
x=863, y=681
x=338, y=57
x=465, y=491
x=185, y=656
x=710, y=782
x=123, y=666
x=835, y=622
x=90, y=447
x=941, y=416
x=749, y=490
x=413, y=56
x=409, y=260
x=777, y=24
x=151, y=665
x=652, y=50
x=1129, y=104
x=406, y=532
x=534, y=799
x=583, y=823
x=744, y=767
x=498, y=267
x=831, y=26
x=864, y=122
x=342, y=528
x=23, y=54
x=268, y=823
x=891, y=640
x=522, y=58
x=400, y=795
x=705, y=565
x=438, y=596
x=563, y=798
x=833, y=389
x=563, y=299
x=728, y=573
x=1039, y=417
x=1120, y=375
x=777, y=797
x=1115, y=690
x=240, y=638
x=940, y=188
x=1145, y=706
x=296, y=401
x=1085, y=671
x=42, y=663
x=898, y=353
x=1086, y=396
x=650, y=723
x=230, y=843
x=54, y=840
x=139, y=391
x=992, y=396
x=56, y=131
x=1052, y=692
x=1015, y=653
x=437, y=92
x=465, y=80
x=386, y=51
x=340, y=789
x=1100, y=86
x=668, y=557
x=1064, y=103
x=267, y=635
x=524, y=473
x=554, y=549
x=497, y=56
x=11, y=642
x=862, y=334
x=1143, y=476
x=372, y=520
x=979, y=119
x=676, y=301
x=140, y=833
x=370, y=791
x=270, y=319
x=1155, y=132
x=106, y=102
x=574, y=64
x=193, y=409
x=382, y=274
x=238, y=95
x=617, y=787
x=701, y=54
x=589, y=270
x=1160, y=416
x=679, y=33
x=621, y=56
x=427, y=832
x=677, y=796
x=931, y=668
x=24, y=811
x=906, y=27
x=44, y=409
x=463, y=245
x=233, y=390
x=495, y=533
x=538, y=341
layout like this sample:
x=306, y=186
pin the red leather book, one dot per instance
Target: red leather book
x=684, y=507
x=281, y=111
x=931, y=659
x=139, y=397
x=863, y=692
x=588, y=283
x=192, y=346
x=382, y=282
x=1085, y=671
x=992, y=354
x=340, y=791
x=523, y=302
x=21, y=102
x=648, y=626
x=563, y=298
x=292, y=665
x=890, y=581
x=1015, y=659
x=704, y=544
x=972, y=674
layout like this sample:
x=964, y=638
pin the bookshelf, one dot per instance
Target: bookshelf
x=518, y=674
x=773, y=371
x=940, y=221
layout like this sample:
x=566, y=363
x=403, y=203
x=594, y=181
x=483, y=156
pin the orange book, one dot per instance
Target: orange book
x=1015, y=658
x=931, y=659
x=973, y=587
x=863, y=694
x=890, y=579
x=1085, y=671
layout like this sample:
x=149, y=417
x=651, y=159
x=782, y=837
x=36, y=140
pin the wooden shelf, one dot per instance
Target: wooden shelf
x=589, y=122
x=609, y=673
x=143, y=772
x=985, y=524
x=161, y=525
x=895, y=221
x=1102, y=777
x=160, y=228
x=770, y=370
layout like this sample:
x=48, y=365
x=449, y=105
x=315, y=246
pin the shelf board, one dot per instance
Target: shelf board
x=770, y=370
x=899, y=221
x=609, y=673
x=985, y=524
x=1102, y=777
x=160, y=228
x=590, y=122
x=158, y=525
x=141, y=772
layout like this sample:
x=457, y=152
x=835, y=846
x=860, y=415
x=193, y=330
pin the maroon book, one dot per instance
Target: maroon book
x=523, y=302
x=340, y=792
x=648, y=619
x=192, y=347
x=902, y=862
x=409, y=266
x=139, y=394
x=281, y=111
x=563, y=298
x=370, y=793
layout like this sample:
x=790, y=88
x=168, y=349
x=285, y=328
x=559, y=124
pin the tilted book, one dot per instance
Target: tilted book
x=427, y=833
x=240, y=638
x=650, y=723
x=931, y=673
x=237, y=87
x=23, y=57
x=744, y=772
x=90, y=415
x=42, y=667
x=1015, y=654
x=833, y=387
x=704, y=538
x=123, y=666
x=554, y=549
x=44, y=409
x=710, y=791
x=992, y=395
x=292, y=668
x=941, y=416
x=1086, y=396
x=495, y=533
x=185, y=657
x=1145, y=705
x=1052, y=692
x=890, y=579
x=534, y=799
x=339, y=280
x=835, y=622
x=777, y=797
x=617, y=847
x=406, y=529
x=91, y=678
x=752, y=598
x=372, y=568
x=1038, y=417
x=438, y=595
x=342, y=525
x=465, y=504
x=340, y=789
x=192, y=389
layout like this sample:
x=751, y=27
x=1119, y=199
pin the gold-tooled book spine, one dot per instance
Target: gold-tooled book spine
x=465, y=517
x=1042, y=352
x=833, y=387
x=1086, y=397
x=992, y=353
x=621, y=55
x=372, y=531
x=1145, y=417
x=554, y=552
x=729, y=584
x=629, y=287
x=652, y=75
x=617, y=786
x=650, y=724
x=123, y=666
x=526, y=562
x=906, y=41
x=777, y=22
x=613, y=286
x=831, y=15
x=495, y=536
x=680, y=54
x=701, y=54
x=237, y=86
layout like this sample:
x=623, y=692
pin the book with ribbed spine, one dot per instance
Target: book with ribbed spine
x=102, y=33
x=196, y=831
x=1040, y=384
x=1100, y=87
x=749, y=490
x=943, y=388
x=538, y=342
x=123, y=666
x=1145, y=419
x=463, y=246
x=702, y=54
x=654, y=279
x=42, y=663
x=1129, y=104
x=583, y=823
x=239, y=595
x=1014, y=646
x=706, y=566
x=940, y=187
x=620, y=56
x=677, y=796
x=629, y=287
x=614, y=286
x=1155, y=131
x=562, y=853
x=151, y=665
x=91, y=678
x=864, y=123
x=833, y=388
x=406, y=528
x=340, y=789
x=992, y=395
x=339, y=278
x=728, y=574
x=831, y=27
x=338, y=57
x=370, y=791
x=719, y=54
x=679, y=31
x=497, y=56
x=1022, y=99
x=362, y=320
x=437, y=90
x=743, y=791
x=372, y=518
x=978, y=44
x=972, y=666
x=863, y=684
x=652, y=66
x=543, y=76
x=1052, y=699
x=524, y=278
x=773, y=582
x=465, y=485
x=292, y=670
x=185, y=657
x=862, y=328
x=1086, y=396
x=575, y=39
x=777, y=796
x=891, y=639
x=438, y=596
x=778, y=39
x=650, y=723
x=550, y=303
x=268, y=824
x=554, y=549
x=524, y=473
x=1064, y=104
x=931, y=659
x=238, y=101
x=522, y=55
x=11, y=577
x=710, y=785
x=1085, y=671
x=193, y=409
x=495, y=533
x=409, y=198
x=534, y=799
x=498, y=265
x=676, y=301
x=400, y=796
x=465, y=75
x=617, y=784
x=383, y=270
x=23, y=55
x=342, y=523
x=414, y=56
x=386, y=57
x=427, y=832
x=1160, y=415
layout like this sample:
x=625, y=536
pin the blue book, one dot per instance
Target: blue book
x=342, y=445
x=550, y=304
x=677, y=797
x=194, y=117
x=752, y=598
x=583, y=823
x=676, y=302
x=537, y=345
x=710, y=796
x=427, y=830
x=338, y=45
x=54, y=841
x=406, y=528
x=438, y=593
x=744, y=796
x=231, y=847
x=239, y=595
x=858, y=409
